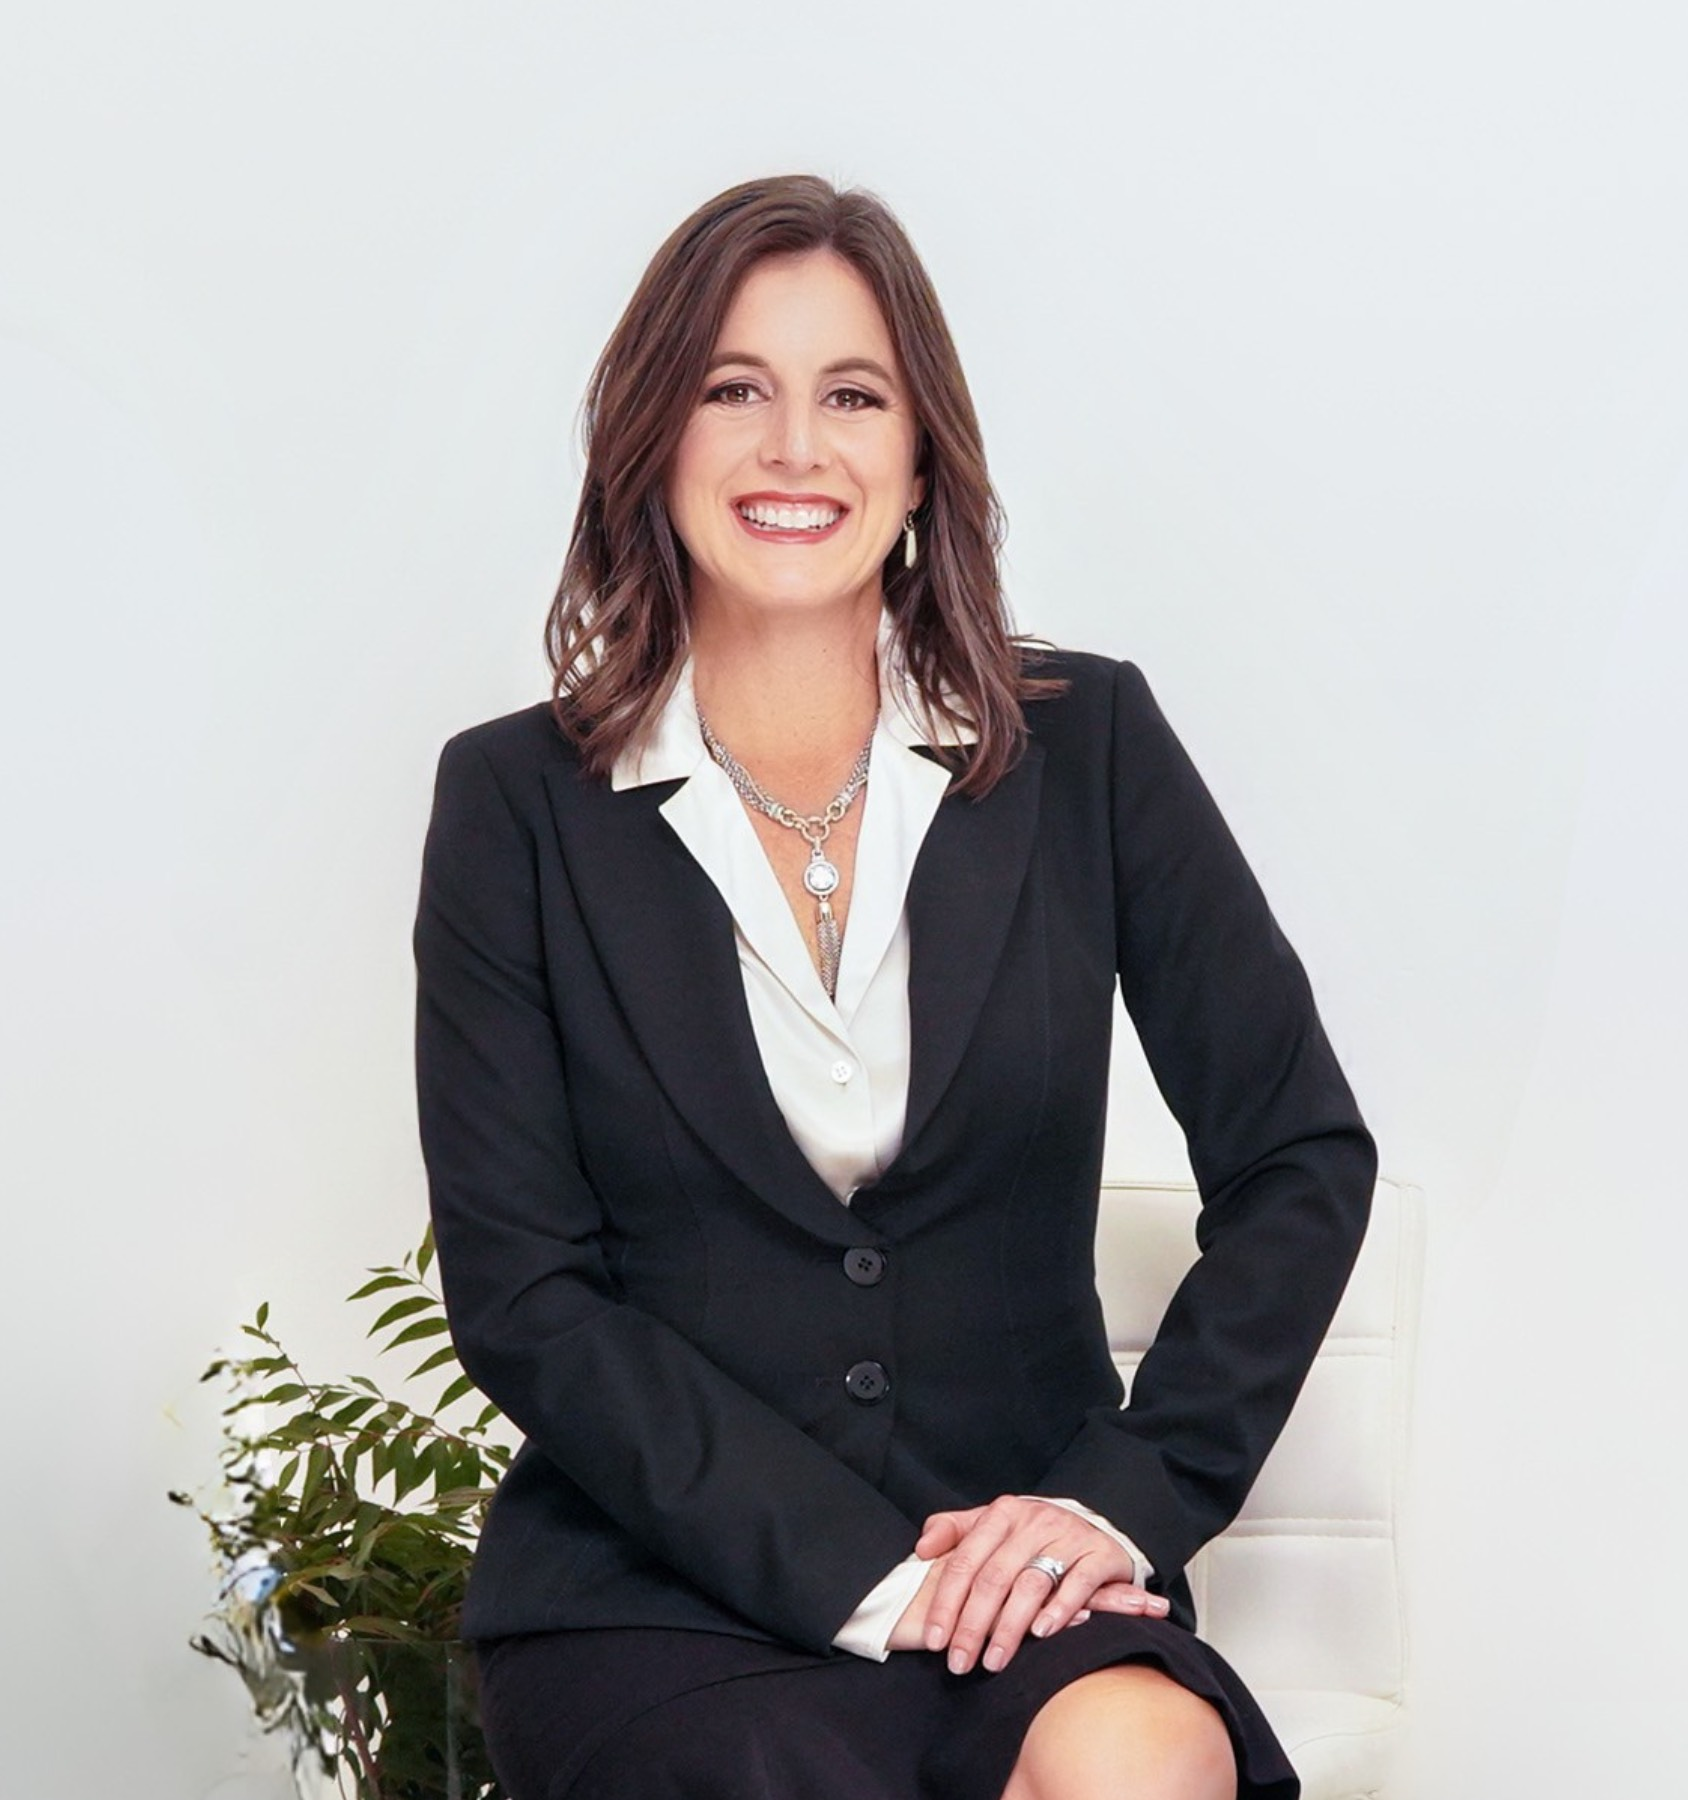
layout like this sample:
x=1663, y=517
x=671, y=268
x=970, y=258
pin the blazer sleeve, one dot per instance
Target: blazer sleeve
x=713, y=1481
x=1283, y=1162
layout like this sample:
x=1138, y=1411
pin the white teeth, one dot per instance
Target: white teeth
x=789, y=518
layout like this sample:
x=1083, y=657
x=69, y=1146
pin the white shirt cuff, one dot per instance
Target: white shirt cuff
x=867, y=1631
x=1144, y=1569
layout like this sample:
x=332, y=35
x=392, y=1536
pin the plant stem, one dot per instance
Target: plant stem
x=354, y=1725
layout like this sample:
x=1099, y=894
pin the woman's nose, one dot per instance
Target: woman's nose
x=794, y=439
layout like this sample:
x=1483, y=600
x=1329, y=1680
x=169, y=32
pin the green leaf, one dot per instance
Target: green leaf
x=367, y=1523
x=402, y=1309
x=487, y=1414
x=423, y=1328
x=366, y=1625
x=262, y=1317
x=369, y=1433
x=464, y=1496
x=379, y=1285
x=301, y=1431
x=279, y=1396
x=316, y=1466
x=461, y=1386
x=406, y=1475
x=353, y=1411
x=289, y=1469
x=447, y=1353
x=428, y=1462
x=349, y=1463
x=425, y=1255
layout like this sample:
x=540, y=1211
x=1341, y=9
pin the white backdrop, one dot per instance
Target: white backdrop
x=1333, y=364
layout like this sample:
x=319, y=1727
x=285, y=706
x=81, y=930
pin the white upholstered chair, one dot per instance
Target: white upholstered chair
x=1302, y=1595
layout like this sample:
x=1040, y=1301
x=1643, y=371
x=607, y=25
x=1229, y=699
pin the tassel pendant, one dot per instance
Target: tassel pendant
x=827, y=941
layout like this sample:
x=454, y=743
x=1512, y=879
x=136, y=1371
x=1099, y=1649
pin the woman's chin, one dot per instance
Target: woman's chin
x=801, y=595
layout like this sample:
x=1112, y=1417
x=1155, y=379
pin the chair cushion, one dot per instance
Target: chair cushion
x=1343, y=1745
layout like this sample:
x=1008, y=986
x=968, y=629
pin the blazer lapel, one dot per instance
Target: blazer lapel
x=664, y=937
x=961, y=900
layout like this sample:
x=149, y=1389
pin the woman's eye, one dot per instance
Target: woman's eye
x=742, y=393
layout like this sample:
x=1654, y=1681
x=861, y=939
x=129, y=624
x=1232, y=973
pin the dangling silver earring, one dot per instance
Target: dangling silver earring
x=911, y=544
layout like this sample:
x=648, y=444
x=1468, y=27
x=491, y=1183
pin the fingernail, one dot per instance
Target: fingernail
x=1042, y=1627
x=958, y=1662
x=934, y=1637
x=995, y=1657
x=1081, y=1615
x=1158, y=1605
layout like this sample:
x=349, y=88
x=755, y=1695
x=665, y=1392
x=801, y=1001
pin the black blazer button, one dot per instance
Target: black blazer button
x=867, y=1382
x=865, y=1267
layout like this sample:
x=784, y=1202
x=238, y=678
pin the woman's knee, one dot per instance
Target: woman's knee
x=1126, y=1733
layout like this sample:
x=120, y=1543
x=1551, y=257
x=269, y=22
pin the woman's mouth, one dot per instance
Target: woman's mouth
x=788, y=521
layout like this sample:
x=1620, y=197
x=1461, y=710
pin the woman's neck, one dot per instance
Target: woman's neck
x=793, y=695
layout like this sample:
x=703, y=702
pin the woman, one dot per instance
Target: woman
x=766, y=987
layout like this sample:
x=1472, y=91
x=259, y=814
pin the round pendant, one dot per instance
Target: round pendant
x=820, y=878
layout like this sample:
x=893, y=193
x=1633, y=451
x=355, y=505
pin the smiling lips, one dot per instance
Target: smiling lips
x=789, y=518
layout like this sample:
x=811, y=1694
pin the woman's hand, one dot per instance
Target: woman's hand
x=981, y=1594
x=909, y=1632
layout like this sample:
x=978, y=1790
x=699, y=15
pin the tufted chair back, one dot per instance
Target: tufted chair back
x=1303, y=1595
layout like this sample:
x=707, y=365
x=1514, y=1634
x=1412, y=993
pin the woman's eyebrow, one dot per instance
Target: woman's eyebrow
x=842, y=367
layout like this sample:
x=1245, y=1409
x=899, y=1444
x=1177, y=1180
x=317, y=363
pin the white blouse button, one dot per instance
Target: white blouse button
x=842, y=1071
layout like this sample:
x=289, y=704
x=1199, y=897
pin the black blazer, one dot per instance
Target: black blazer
x=741, y=1398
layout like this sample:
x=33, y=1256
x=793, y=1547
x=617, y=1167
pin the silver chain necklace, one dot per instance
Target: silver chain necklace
x=821, y=876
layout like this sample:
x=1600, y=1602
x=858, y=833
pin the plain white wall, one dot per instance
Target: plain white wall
x=1333, y=367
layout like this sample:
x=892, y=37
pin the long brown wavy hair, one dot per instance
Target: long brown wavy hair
x=617, y=629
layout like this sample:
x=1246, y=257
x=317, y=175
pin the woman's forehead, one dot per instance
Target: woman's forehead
x=808, y=301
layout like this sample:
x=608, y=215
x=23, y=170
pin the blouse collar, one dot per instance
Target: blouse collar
x=672, y=749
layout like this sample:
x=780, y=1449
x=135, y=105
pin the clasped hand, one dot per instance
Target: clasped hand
x=979, y=1591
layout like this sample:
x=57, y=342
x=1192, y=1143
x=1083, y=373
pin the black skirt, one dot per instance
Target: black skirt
x=651, y=1714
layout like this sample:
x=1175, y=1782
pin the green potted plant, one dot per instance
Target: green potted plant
x=344, y=1533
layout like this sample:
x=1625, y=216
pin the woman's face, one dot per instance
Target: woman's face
x=796, y=466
